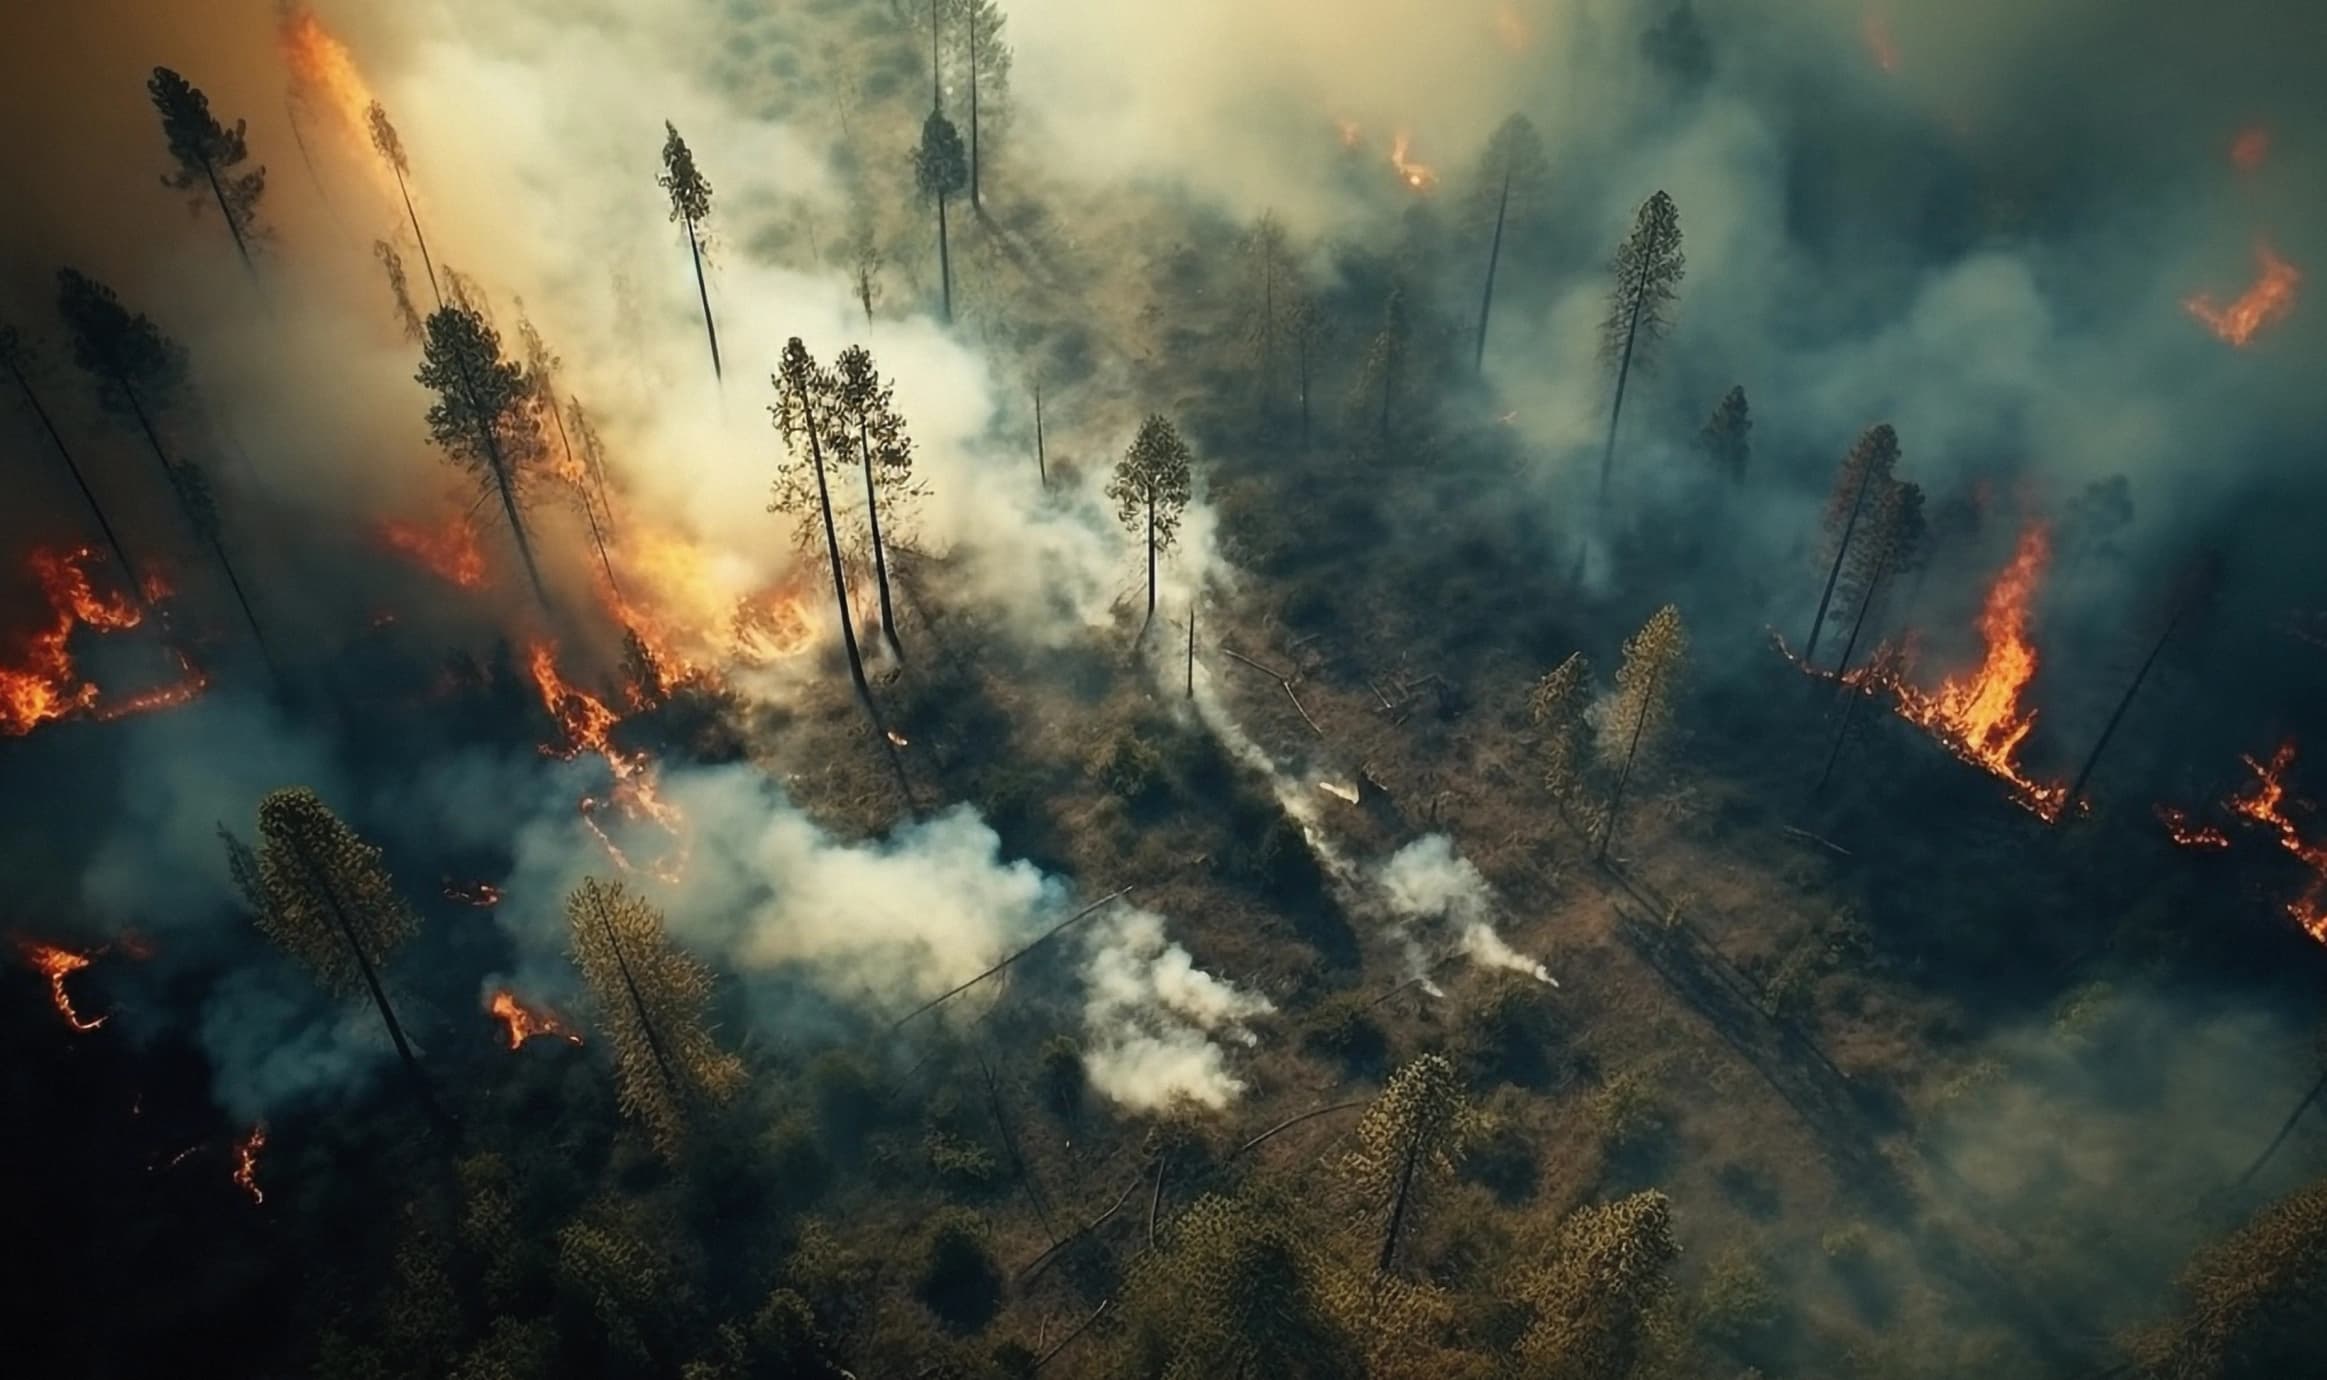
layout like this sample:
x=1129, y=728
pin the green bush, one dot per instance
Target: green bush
x=1630, y=1110
x=1342, y=1028
x=962, y=1165
x=1737, y=1309
x=1131, y=767
x=959, y=1279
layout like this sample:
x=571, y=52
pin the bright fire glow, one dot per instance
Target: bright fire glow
x=1978, y=715
x=246, y=1162
x=482, y=895
x=1417, y=175
x=56, y=964
x=2266, y=804
x=40, y=683
x=449, y=551
x=2269, y=300
x=584, y=723
x=2250, y=148
x=2189, y=833
x=524, y=1022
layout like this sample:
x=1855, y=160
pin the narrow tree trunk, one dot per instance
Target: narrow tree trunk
x=703, y=290
x=1841, y=735
x=1398, y=1204
x=307, y=157
x=2117, y=716
x=1623, y=377
x=1494, y=256
x=597, y=537
x=936, y=91
x=944, y=259
x=1041, y=464
x=420, y=1084
x=505, y=484
x=422, y=239
x=1841, y=549
x=654, y=1039
x=1866, y=601
x=880, y=556
x=597, y=471
x=242, y=600
x=1143, y=627
x=2285, y=1129
x=153, y=440
x=219, y=193
x=1191, y=649
x=1624, y=777
x=975, y=204
x=97, y=510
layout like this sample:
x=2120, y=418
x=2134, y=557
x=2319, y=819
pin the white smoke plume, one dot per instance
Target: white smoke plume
x=1439, y=894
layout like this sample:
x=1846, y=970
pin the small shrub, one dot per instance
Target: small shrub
x=1630, y=1111
x=1131, y=767
x=1737, y=1309
x=1343, y=1028
x=962, y=1166
x=959, y=1279
x=1848, y=1244
x=1059, y=1077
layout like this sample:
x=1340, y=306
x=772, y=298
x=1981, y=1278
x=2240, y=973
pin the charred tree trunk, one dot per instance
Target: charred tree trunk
x=242, y=601
x=421, y=1088
x=1834, y=572
x=1487, y=296
x=880, y=555
x=307, y=157
x=597, y=536
x=1041, y=463
x=420, y=238
x=1191, y=649
x=975, y=204
x=1858, y=623
x=944, y=259
x=1398, y=1204
x=1858, y=696
x=2076, y=788
x=2285, y=1129
x=654, y=1039
x=703, y=290
x=1143, y=627
x=88, y=495
x=1624, y=777
x=219, y=194
x=1623, y=377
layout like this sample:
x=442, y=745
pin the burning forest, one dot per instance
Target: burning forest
x=948, y=688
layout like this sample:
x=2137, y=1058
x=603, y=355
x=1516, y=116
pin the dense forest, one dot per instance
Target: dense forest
x=953, y=688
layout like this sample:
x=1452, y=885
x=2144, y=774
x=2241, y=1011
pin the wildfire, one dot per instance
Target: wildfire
x=1876, y=30
x=772, y=625
x=482, y=895
x=524, y=1022
x=2187, y=832
x=1417, y=175
x=56, y=964
x=2269, y=300
x=246, y=1162
x=2266, y=804
x=43, y=684
x=2250, y=148
x=323, y=70
x=450, y=552
x=584, y=723
x=1978, y=716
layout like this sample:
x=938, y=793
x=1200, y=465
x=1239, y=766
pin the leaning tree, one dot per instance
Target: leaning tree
x=690, y=205
x=480, y=418
x=1647, y=268
x=207, y=155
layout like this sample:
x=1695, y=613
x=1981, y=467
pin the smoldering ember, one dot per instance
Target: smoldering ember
x=973, y=688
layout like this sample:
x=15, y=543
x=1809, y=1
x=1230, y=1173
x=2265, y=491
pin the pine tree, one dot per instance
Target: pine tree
x=207, y=155
x=200, y=505
x=136, y=368
x=390, y=146
x=1556, y=706
x=1410, y=1139
x=1382, y=375
x=1595, y=1301
x=1726, y=438
x=804, y=417
x=987, y=58
x=23, y=366
x=1266, y=291
x=690, y=204
x=1238, y=1288
x=1512, y=175
x=541, y=366
x=1890, y=540
x=1865, y=476
x=2255, y=1300
x=866, y=420
x=940, y=169
x=593, y=448
x=1647, y=268
x=480, y=416
x=400, y=291
x=1150, y=487
x=1305, y=331
x=1638, y=717
x=651, y=999
x=324, y=896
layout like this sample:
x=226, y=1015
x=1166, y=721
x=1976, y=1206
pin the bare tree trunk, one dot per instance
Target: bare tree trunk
x=219, y=193
x=1834, y=573
x=2117, y=716
x=1143, y=627
x=420, y=1084
x=1624, y=777
x=972, y=14
x=880, y=557
x=654, y=1039
x=97, y=510
x=307, y=157
x=1304, y=392
x=422, y=239
x=1865, y=602
x=597, y=537
x=1494, y=256
x=1398, y=1206
x=1041, y=464
x=703, y=290
x=1191, y=649
x=2285, y=1129
x=1858, y=696
x=1623, y=377
x=944, y=259
x=226, y=567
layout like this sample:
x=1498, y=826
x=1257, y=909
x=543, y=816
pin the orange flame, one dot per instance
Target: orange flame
x=584, y=723
x=483, y=895
x=2269, y=300
x=43, y=685
x=450, y=552
x=1876, y=30
x=2187, y=832
x=323, y=70
x=2266, y=804
x=524, y=1022
x=1417, y=175
x=2250, y=148
x=56, y=964
x=246, y=1162
x=1978, y=716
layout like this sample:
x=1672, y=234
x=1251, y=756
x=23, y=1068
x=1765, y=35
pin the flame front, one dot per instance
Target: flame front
x=524, y=1022
x=56, y=964
x=246, y=1162
x=2270, y=300
x=1978, y=715
x=450, y=552
x=2189, y=833
x=584, y=725
x=42, y=684
x=1417, y=175
x=2266, y=804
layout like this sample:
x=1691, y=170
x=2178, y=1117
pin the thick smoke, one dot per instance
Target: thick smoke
x=1430, y=887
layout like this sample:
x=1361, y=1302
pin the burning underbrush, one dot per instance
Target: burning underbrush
x=41, y=678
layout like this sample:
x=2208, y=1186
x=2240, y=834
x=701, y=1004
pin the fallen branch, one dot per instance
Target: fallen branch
x=1044, y=1358
x=1035, y=1266
x=1047, y=936
x=1270, y=671
x=1296, y=699
x=1293, y=1121
x=1814, y=838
